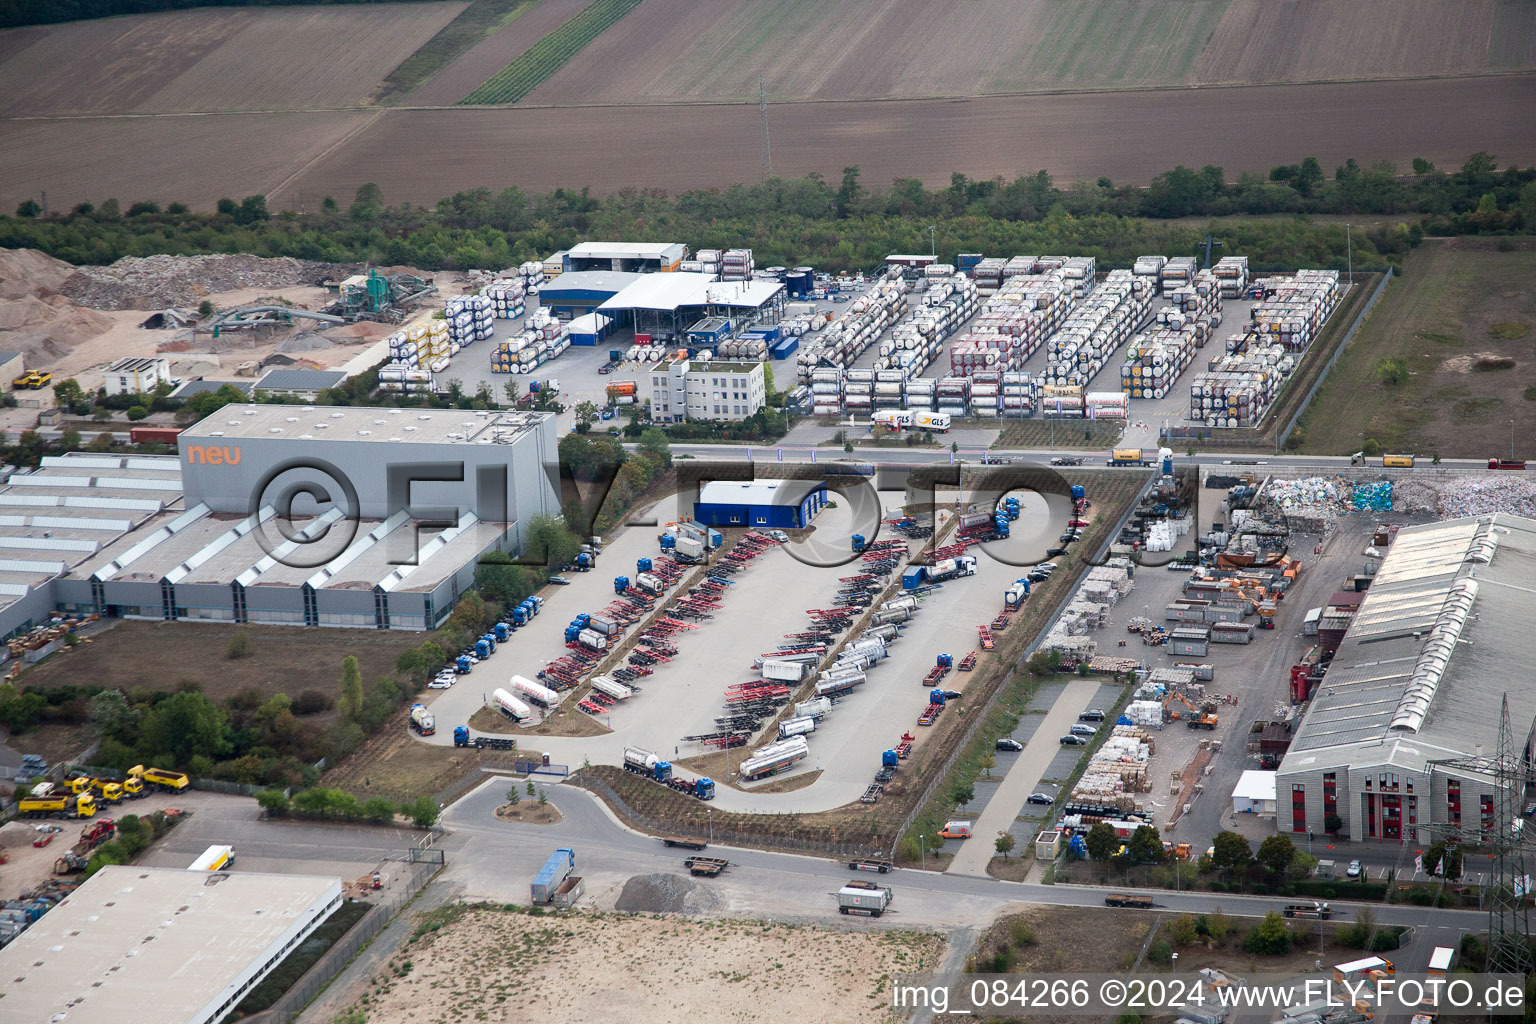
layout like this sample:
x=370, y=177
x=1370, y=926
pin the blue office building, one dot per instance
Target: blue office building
x=779, y=504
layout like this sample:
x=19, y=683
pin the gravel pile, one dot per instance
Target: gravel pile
x=153, y=282
x=666, y=894
x=1474, y=496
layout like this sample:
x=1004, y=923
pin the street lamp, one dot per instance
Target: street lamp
x=1175, y=963
x=933, y=249
x=711, y=812
x=922, y=845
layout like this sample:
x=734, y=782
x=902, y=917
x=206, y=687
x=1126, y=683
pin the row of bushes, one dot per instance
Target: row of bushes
x=134, y=834
x=323, y=804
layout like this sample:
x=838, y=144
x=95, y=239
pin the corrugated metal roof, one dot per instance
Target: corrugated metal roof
x=757, y=492
x=1437, y=642
x=674, y=291
x=300, y=380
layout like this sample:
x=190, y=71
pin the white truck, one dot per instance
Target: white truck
x=511, y=706
x=423, y=720
x=952, y=568
x=865, y=898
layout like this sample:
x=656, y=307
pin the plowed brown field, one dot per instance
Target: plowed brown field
x=495, y=52
x=261, y=58
x=678, y=50
x=1128, y=136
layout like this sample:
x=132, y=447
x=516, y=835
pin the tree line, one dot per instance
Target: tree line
x=45, y=12
x=846, y=226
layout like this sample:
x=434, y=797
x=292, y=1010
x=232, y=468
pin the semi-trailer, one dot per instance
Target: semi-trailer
x=511, y=706
x=775, y=758
x=554, y=872
x=533, y=692
x=644, y=762
x=866, y=898
x=797, y=726
x=707, y=867
x=813, y=708
x=686, y=842
x=612, y=688
x=785, y=669
x=422, y=720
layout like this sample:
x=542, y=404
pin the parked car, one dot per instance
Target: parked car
x=1079, y=729
x=952, y=694
x=607, y=414
x=1074, y=741
x=1040, y=798
x=779, y=535
x=1055, y=552
x=1091, y=715
x=560, y=581
x=1354, y=869
x=1047, y=566
x=1009, y=743
x=440, y=684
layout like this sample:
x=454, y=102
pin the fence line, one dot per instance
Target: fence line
x=970, y=733
x=1306, y=403
x=324, y=971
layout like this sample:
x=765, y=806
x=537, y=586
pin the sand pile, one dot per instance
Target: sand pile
x=47, y=327
x=153, y=282
x=666, y=894
x=27, y=272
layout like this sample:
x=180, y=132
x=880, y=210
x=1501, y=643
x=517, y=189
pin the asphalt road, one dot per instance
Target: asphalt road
x=497, y=860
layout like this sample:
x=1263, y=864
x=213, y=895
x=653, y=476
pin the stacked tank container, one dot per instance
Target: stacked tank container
x=858, y=391
x=1298, y=310
x=1232, y=274
x=1176, y=273
x=843, y=340
x=736, y=265
x=1061, y=400
x=889, y=392
x=826, y=391
x=1238, y=389
x=920, y=393
x=986, y=393
x=1095, y=328
x=1106, y=405
x=1019, y=392
x=1081, y=273
x=508, y=297
x=470, y=319
x=532, y=274
x=1198, y=300
x=989, y=272
x=1148, y=269
x=1154, y=360
x=952, y=395
x=1018, y=266
x=710, y=259
x=543, y=338
x=423, y=346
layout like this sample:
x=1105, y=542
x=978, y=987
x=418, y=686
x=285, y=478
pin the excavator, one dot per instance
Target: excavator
x=1202, y=717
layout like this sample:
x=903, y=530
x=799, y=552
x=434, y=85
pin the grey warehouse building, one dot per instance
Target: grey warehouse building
x=1442, y=636
x=232, y=531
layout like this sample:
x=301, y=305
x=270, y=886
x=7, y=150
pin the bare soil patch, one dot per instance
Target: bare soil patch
x=572, y=968
x=564, y=722
x=528, y=812
x=159, y=655
x=1129, y=136
x=394, y=764
x=248, y=59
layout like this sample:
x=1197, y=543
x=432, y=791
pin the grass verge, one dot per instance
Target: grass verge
x=1055, y=434
x=474, y=23
x=549, y=54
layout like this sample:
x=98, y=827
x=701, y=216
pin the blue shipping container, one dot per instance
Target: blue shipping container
x=785, y=348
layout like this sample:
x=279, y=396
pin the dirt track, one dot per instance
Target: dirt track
x=1128, y=136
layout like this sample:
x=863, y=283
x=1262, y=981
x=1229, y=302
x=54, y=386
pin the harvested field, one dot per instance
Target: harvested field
x=1323, y=40
x=1129, y=136
x=571, y=968
x=248, y=59
x=676, y=51
x=525, y=25
x=170, y=158
x=1460, y=319
x=159, y=655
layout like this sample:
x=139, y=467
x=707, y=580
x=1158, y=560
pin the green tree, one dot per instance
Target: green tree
x=963, y=793
x=29, y=208
x=379, y=810
x=1183, y=930
x=185, y=725
x=367, y=203
x=513, y=796
x=653, y=442
x=111, y=715
x=1101, y=842
x=240, y=645
x=850, y=193
x=422, y=811
x=586, y=415
x=67, y=393
x=205, y=309
x=274, y=802
x=137, y=413
x=986, y=763
x=550, y=543
x=1232, y=851
x=351, y=702
x=1270, y=937
x=1146, y=845
x=1004, y=843
x=1275, y=852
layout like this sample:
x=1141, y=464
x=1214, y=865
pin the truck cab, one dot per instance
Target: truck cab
x=111, y=792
